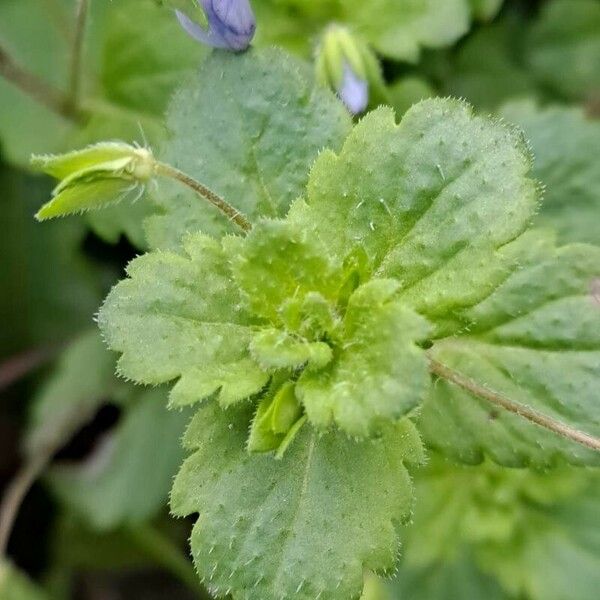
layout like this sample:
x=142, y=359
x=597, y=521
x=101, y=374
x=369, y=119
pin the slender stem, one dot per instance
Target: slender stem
x=164, y=552
x=229, y=211
x=19, y=365
x=81, y=12
x=15, y=494
x=523, y=411
x=42, y=92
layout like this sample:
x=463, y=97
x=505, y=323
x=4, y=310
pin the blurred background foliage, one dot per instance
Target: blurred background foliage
x=96, y=525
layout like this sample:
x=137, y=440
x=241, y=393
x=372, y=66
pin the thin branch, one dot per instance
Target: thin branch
x=42, y=92
x=164, y=552
x=229, y=211
x=81, y=13
x=14, y=495
x=19, y=365
x=523, y=411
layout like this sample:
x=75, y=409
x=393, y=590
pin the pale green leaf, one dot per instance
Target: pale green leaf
x=489, y=68
x=248, y=127
x=262, y=522
x=182, y=317
x=14, y=585
x=34, y=39
x=275, y=263
x=127, y=478
x=379, y=374
x=564, y=47
x=50, y=289
x=566, y=146
x=276, y=349
x=82, y=380
x=535, y=339
x=459, y=578
x=531, y=531
x=399, y=29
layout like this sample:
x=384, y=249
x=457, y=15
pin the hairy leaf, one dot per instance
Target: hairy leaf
x=429, y=199
x=263, y=522
x=541, y=323
x=181, y=317
x=566, y=145
x=255, y=151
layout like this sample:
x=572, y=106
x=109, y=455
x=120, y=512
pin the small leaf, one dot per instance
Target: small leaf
x=182, y=317
x=258, y=516
x=276, y=349
x=378, y=374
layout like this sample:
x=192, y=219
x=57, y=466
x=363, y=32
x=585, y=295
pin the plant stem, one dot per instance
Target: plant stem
x=15, y=494
x=229, y=211
x=164, y=552
x=81, y=12
x=42, y=92
x=22, y=364
x=502, y=401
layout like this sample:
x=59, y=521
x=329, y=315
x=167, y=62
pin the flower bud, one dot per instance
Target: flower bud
x=350, y=68
x=231, y=24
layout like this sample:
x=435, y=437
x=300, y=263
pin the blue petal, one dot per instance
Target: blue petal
x=353, y=91
x=198, y=33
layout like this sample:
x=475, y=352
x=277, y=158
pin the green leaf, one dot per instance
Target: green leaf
x=276, y=263
x=379, y=374
x=564, y=47
x=82, y=380
x=565, y=144
x=16, y=586
x=489, y=68
x=458, y=578
x=255, y=151
x=182, y=317
x=531, y=531
x=276, y=349
x=399, y=29
x=50, y=290
x=34, y=39
x=541, y=323
x=127, y=478
x=429, y=199
x=486, y=9
x=258, y=516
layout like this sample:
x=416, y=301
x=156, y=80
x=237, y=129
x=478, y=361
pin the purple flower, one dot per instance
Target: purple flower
x=231, y=24
x=353, y=90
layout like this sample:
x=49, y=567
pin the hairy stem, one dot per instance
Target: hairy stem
x=81, y=13
x=15, y=494
x=40, y=91
x=164, y=552
x=502, y=401
x=229, y=211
